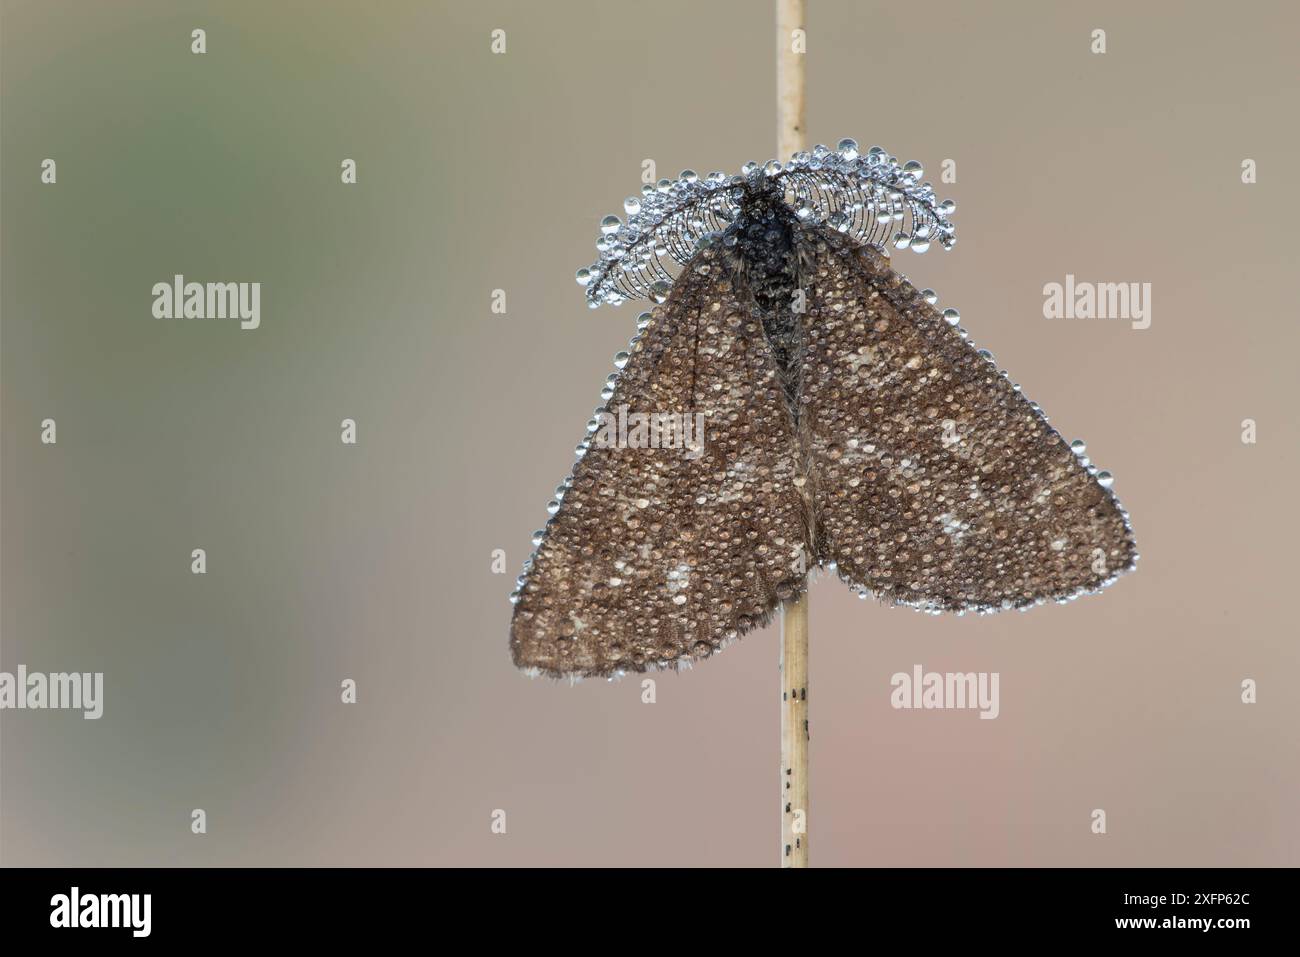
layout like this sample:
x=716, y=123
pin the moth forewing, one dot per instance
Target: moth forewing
x=940, y=485
x=660, y=555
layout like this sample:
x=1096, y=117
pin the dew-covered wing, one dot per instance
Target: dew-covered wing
x=657, y=556
x=937, y=484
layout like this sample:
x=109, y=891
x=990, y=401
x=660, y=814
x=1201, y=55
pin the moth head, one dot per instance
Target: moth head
x=870, y=196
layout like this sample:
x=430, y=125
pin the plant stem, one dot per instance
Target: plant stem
x=791, y=138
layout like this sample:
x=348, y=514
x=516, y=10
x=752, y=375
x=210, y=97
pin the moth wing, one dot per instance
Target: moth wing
x=662, y=555
x=937, y=484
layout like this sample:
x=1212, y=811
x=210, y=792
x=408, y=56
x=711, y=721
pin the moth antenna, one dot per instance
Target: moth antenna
x=869, y=196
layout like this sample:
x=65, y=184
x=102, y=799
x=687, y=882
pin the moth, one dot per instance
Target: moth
x=791, y=403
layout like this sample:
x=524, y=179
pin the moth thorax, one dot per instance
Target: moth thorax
x=765, y=239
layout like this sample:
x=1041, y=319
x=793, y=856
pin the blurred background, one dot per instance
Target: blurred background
x=480, y=171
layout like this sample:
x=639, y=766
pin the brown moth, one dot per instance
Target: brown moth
x=791, y=403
